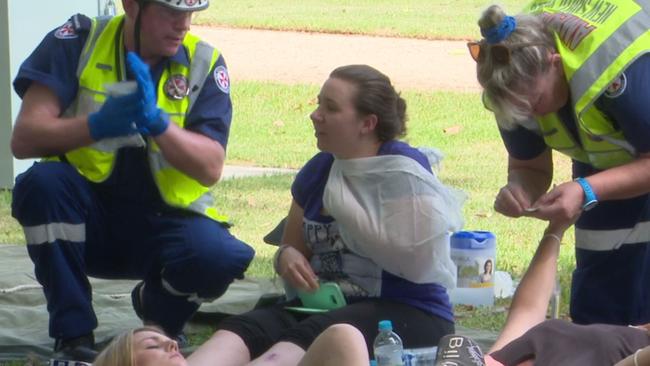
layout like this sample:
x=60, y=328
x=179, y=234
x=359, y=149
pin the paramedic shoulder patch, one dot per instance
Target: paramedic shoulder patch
x=222, y=79
x=67, y=31
x=617, y=87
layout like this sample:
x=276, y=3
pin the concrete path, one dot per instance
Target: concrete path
x=232, y=171
x=300, y=57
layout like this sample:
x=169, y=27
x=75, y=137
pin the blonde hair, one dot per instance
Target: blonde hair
x=529, y=45
x=119, y=352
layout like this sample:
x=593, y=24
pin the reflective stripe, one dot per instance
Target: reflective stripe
x=601, y=59
x=191, y=296
x=112, y=144
x=202, y=203
x=98, y=27
x=623, y=144
x=199, y=70
x=602, y=240
x=49, y=233
x=158, y=162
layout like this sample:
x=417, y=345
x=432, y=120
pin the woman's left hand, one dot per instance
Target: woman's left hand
x=294, y=268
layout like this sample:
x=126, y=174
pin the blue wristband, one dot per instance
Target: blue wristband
x=590, y=197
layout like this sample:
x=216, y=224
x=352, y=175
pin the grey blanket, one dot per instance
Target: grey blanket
x=24, y=317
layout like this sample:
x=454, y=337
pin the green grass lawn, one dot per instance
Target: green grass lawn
x=439, y=19
x=272, y=128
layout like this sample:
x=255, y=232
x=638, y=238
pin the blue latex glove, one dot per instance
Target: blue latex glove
x=116, y=117
x=153, y=121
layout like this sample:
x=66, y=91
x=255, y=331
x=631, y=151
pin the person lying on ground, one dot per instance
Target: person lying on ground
x=149, y=346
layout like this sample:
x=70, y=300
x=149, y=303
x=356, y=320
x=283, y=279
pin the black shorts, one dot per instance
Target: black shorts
x=262, y=328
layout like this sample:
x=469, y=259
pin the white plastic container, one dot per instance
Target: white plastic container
x=474, y=253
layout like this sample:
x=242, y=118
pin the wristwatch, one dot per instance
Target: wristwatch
x=590, y=197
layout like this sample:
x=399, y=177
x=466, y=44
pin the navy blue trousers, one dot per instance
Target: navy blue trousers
x=612, y=287
x=72, y=233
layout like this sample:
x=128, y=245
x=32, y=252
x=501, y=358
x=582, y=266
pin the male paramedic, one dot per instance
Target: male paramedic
x=122, y=188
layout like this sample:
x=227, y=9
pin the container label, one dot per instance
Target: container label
x=474, y=271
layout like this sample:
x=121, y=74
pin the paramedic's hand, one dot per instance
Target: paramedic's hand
x=152, y=121
x=562, y=203
x=294, y=268
x=116, y=117
x=513, y=201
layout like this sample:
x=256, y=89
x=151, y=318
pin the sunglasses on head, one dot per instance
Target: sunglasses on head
x=500, y=53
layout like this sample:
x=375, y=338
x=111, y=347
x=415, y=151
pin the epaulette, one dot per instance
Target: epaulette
x=81, y=23
x=76, y=25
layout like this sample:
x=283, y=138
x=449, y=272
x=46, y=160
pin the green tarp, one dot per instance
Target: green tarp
x=24, y=317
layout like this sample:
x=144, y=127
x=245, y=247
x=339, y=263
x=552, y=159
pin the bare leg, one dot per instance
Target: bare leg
x=338, y=345
x=639, y=358
x=280, y=354
x=224, y=348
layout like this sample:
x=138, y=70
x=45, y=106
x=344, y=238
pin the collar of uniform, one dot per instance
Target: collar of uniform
x=181, y=56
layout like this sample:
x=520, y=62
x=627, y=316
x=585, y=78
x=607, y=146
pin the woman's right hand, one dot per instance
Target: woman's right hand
x=295, y=269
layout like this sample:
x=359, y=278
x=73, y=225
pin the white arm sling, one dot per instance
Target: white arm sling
x=392, y=210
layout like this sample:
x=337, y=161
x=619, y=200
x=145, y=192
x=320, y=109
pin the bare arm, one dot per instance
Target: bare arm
x=527, y=180
x=292, y=258
x=40, y=131
x=625, y=181
x=293, y=233
x=530, y=302
x=196, y=155
x=639, y=358
x=536, y=174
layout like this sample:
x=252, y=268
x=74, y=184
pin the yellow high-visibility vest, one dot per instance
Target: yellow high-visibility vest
x=597, y=41
x=102, y=62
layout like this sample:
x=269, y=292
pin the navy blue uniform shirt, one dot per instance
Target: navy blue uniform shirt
x=54, y=64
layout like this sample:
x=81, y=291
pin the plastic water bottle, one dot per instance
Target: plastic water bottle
x=388, y=346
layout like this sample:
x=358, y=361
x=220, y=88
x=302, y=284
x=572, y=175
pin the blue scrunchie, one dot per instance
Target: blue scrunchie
x=500, y=31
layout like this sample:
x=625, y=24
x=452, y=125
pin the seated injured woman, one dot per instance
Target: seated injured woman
x=368, y=214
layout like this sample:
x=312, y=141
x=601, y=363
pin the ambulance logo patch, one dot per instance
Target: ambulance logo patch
x=222, y=79
x=176, y=87
x=616, y=88
x=66, y=31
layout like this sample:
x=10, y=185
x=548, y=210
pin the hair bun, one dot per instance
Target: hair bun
x=491, y=17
